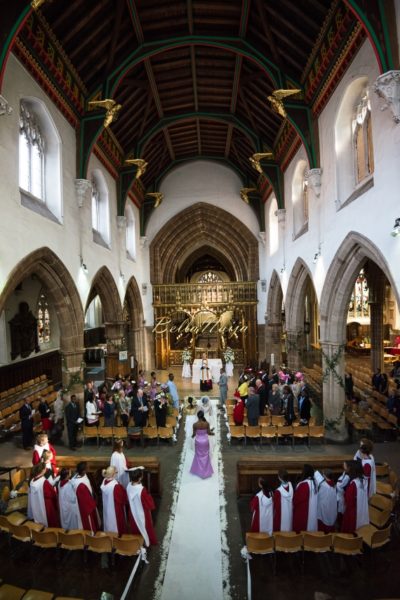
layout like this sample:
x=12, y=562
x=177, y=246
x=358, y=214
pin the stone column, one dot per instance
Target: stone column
x=73, y=373
x=333, y=392
x=273, y=342
x=294, y=343
x=376, y=282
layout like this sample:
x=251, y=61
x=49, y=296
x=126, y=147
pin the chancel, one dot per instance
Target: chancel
x=199, y=282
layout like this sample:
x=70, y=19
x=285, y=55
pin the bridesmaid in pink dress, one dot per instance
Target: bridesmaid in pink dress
x=201, y=464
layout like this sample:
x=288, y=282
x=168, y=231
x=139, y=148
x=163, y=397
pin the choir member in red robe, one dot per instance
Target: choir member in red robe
x=283, y=503
x=262, y=508
x=88, y=517
x=364, y=454
x=305, y=502
x=43, y=499
x=140, y=506
x=42, y=444
x=238, y=412
x=115, y=502
x=356, y=499
x=327, y=508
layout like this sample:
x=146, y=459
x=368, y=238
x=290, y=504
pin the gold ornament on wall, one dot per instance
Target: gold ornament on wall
x=276, y=100
x=244, y=194
x=37, y=4
x=158, y=198
x=140, y=163
x=255, y=159
x=111, y=107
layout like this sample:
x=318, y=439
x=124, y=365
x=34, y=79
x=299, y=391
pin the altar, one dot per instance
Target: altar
x=214, y=365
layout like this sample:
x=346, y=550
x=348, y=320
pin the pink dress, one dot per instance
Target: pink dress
x=201, y=464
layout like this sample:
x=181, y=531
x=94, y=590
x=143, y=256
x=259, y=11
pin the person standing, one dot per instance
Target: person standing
x=288, y=403
x=368, y=463
x=283, y=503
x=160, y=409
x=262, y=394
x=304, y=406
x=124, y=405
x=114, y=502
x=253, y=407
x=305, y=502
x=201, y=465
x=67, y=501
x=223, y=387
x=118, y=461
x=238, y=412
x=109, y=411
x=173, y=391
x=275, y=400
x=327, y=508
x=140, y=409
x=72, y=415
x=43, y=498
x=26, y=416
x=140, y=506
x=88, y=517
x=355, y=499
x=262, y=508
x=42, y=445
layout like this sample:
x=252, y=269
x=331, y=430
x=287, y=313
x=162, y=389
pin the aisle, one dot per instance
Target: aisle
x=196, y=560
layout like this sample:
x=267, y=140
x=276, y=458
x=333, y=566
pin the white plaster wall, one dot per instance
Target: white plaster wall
x=371, y=215
x=22, y=231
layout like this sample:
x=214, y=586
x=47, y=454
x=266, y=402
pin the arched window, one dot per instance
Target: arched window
x=273, y=227
x=353, y=143
x=300, y=199
x=130, y=232
x=359, y=300
x=39, y=160
x=100, y=209
x=43, y=320
x=31, y=153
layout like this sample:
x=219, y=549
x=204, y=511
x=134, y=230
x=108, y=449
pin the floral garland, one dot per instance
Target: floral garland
x=186, y=355
x=229, y=355
x=333, y=424
x=73, y=378
x=331, y=364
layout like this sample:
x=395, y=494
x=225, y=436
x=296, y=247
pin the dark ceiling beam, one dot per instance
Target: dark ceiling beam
x=189, y=10
x=228, y=140
x=115, y=34
x=135, y=21
x=248, y=111
x=157, y=101
x=145, y=116
x=261, y=7
x=291, y=26
x=194, y=76
x=65, y=14
x=301, y=14
x=81, y=21
x=198, y=135
x=88, y=40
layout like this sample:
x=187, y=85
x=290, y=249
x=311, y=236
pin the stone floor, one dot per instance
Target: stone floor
x=330, y=578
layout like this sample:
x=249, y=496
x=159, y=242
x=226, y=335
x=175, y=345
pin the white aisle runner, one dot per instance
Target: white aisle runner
x=196, y=565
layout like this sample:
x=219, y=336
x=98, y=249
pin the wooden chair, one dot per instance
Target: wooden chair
x=347, y=544
x=373, y=537
x=387, y=489
x=264, y=420
x=105, y=433
x=253, y=431
x=22, y=533
x=165, y=433
x=90, y=433
x=268, y=432
x=73, y=540
x=38, y=595
x=170, y=421
x=300, y=433
x=381, y=502
x=19, y=482
x=284, y=432
x=260, y=543
x=11, y=592
x=150, y=433
x=317, y=541
x=127, y=545
x=382, y=470
x=16, y=518
x=237, y=432
x=379, y=518
x=121, y=433
x=100, y=544
x=316, y=432
x=288, y=541
x=45, y=538
x=278, y=420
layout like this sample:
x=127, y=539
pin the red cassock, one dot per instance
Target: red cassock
x=51, y=504
x=87, y=508
x=301, y=499
x=255, y=511
x=115, y=500
x=349, y=522
x=148, y=505
x=120, y=502
x=238, y=412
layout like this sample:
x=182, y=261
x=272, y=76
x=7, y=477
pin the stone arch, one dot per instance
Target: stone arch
x=64, y=295
x=273, y=320
x=193, y=254
x=203, y=225
x=104, y=286
x=294, y=299
x=134, y=319
x=133, y=301
x=348, y=260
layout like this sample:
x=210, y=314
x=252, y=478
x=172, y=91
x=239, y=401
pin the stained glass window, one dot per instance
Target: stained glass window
x=31, y=154
x=43, y=320
x=358, y=306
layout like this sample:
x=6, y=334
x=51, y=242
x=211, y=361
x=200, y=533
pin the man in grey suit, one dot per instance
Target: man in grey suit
x=253, y=407
x=223, y=388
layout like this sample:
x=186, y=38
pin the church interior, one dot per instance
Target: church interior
x=189, y=186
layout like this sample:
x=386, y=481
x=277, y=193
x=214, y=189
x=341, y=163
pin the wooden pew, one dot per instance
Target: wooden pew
x=96, y=464
x=248, y=469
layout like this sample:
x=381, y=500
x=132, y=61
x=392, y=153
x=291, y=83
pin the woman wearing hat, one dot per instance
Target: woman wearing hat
x=114, y=502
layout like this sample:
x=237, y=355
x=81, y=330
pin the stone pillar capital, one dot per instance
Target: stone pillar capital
x=281, y=214
x=121, y=222
x=387, y=86
x=262, y=237
x=5, y=108
x=83, y=187
x=143, y=241
x=313, y=177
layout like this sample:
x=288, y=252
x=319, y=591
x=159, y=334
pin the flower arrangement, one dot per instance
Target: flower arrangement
x=229, y=355
x=186, y=355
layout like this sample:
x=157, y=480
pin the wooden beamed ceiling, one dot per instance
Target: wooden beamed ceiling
x=200, y=98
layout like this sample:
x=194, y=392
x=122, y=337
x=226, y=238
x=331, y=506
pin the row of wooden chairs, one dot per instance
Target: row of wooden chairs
x=269, y=432
x=10, y=422
x=23, y=386
x=273, y=420
x=13, y=592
